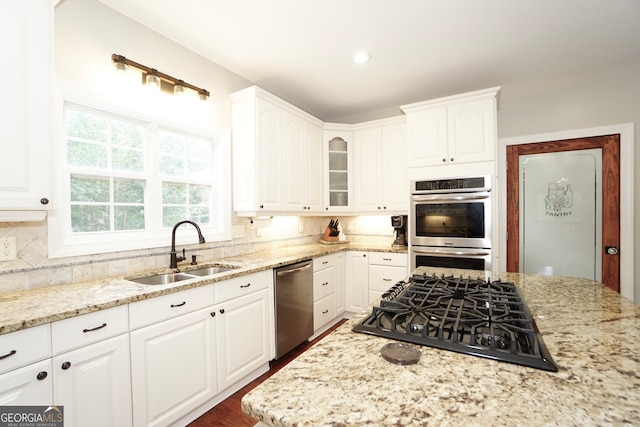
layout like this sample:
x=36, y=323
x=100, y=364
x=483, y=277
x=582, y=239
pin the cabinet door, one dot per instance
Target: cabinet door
x=472, y=133
x=383, y=277
x=94, y=380
x=314, y=168
x=294, y=165
x=269, y=156
x=26, y=29
x=368, y=178
x=30, y=385
x=341, y=281
x=395, y=176
x=244, y=339
x=173, y=368
x=338, y=147
x=427, y=135
x=357, y=281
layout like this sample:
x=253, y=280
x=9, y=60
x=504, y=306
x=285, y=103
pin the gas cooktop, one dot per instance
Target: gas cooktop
x=471, y=316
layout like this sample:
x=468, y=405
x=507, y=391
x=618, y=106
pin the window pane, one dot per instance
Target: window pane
x=125, y=191
x=86, y=154
x=199, y=215
x=198, y=148
x=171, y=143
x=87, y=126
x=172, y=166
x=127, y=160
x=174, y=194
x=199, y=195
x=129, y=217
x=89, y=218
x=173, y=214
x=127, y=134
x=84, y=189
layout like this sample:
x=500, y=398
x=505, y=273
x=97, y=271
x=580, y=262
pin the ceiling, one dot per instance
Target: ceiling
x=301, y=50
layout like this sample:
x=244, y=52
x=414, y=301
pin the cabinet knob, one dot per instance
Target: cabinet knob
x=261, y=206
x=451, y=159
x=42, y=375
x=213, y=314
x=44, y=201
x=222, y=311
x=444, y=160
x=66, y=365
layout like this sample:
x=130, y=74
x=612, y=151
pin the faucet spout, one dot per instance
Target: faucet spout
x=175, y=259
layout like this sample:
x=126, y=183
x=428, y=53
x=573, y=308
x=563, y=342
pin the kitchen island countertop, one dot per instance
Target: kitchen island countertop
x=592, y=333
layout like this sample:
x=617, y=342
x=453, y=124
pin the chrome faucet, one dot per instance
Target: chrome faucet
x=175, y=259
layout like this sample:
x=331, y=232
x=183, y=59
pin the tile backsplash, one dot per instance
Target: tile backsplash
x=34, y=269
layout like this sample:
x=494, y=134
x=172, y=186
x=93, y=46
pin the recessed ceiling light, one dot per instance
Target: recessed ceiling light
x=362, y=57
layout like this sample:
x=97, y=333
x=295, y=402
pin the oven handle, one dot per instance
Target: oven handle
x=450, y=197
x=459, y=253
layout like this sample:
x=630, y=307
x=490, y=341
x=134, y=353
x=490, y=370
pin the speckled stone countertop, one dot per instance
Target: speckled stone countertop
x=25, y=309
x=592, y=333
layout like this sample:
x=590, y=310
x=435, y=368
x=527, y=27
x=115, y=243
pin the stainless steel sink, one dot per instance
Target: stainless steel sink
x=209, y=271
x=163, y=279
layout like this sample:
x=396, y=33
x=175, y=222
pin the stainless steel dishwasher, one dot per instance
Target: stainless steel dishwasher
x=294, y=305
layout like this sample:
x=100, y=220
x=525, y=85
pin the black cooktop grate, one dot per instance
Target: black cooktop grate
x=470, y=316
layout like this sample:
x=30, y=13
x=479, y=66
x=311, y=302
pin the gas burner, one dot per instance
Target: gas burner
x=471, y=316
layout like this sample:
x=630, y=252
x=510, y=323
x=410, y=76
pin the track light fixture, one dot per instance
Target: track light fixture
x=153, y=77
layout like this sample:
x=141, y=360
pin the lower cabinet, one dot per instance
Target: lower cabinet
x=29, y=385
x=357, y=289
x=173, y=367
x=93, y=384
x=385, y=270
x=324, y=291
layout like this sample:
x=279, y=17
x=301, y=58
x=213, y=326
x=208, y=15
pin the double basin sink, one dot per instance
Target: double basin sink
x=167, y=278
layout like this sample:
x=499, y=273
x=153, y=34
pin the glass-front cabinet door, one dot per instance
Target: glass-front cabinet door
x=338, y=174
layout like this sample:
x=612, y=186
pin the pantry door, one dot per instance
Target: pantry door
x=560, y=197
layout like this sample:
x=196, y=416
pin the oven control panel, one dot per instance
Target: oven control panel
x=475, y=183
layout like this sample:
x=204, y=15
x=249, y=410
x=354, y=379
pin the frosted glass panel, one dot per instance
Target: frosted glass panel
x=561, y=213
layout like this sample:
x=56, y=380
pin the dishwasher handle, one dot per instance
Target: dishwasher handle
x=293, y=270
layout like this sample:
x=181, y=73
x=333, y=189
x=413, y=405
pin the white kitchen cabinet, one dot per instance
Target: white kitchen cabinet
x=385, y=270
x=29, y=385
x=91, y=372
x=25, y=367
x=244, y=324
x=381, y=181
x=94, y=380
x=324, y=291
x=173, y=367
x=357, y=289
x=455, y=129
x=338, y=172
x=26, y=41
x=274, y=145
x=303, y=169
x=341, y=281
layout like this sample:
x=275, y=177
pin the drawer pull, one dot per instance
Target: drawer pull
x=11, y=353
x=95, y=329
x=41, y=375
x=387, y=280
x=245, y=286
x=178, y=305
x=325, y=312
x=66, y=365
x=386, y=259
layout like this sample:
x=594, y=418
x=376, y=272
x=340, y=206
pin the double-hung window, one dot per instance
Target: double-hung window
x=126, y=179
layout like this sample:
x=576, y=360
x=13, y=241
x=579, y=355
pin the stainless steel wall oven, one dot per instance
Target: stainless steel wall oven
x=450, y=223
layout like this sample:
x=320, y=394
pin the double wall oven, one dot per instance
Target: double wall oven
x=450, y=223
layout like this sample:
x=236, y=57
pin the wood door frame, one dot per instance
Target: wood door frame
x=626, y=132
x=610, y=146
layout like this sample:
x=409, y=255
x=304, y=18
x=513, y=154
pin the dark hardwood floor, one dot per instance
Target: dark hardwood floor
x=229, y=414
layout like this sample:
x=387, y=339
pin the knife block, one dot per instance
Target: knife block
x=328, y=238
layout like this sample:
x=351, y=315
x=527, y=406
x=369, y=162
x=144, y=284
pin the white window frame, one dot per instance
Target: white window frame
x=62, y=242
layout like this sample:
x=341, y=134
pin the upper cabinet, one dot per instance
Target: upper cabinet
x=381, y=181
x=26, y=38
x=451, y=130
x=277, y=156
x=338, y=173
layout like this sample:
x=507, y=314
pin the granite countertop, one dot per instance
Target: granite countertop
x=25, y=309
x=592, y=333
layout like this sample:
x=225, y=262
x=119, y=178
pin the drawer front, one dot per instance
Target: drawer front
x=382, y=277
x=243, y=285
x=324, y=283
x=388, y=258
x=23, y=347
x=153, y=310
x=88, y=328
x=324, y=311
x=323, y=262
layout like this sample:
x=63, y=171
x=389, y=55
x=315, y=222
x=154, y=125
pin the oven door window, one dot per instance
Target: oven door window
x=464, y=220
